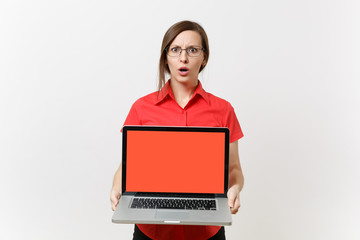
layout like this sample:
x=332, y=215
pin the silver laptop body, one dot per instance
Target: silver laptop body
x=174, y=175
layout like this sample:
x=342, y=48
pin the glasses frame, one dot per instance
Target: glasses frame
x=201, y=49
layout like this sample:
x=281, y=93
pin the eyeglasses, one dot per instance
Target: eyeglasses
x=190, y=51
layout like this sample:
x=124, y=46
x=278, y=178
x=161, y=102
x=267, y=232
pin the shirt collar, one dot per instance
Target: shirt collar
x=166, y=91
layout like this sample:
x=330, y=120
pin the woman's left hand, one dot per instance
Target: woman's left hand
x=234, y=199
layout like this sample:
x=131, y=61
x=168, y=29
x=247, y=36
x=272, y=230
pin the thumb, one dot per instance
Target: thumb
x=231, y=199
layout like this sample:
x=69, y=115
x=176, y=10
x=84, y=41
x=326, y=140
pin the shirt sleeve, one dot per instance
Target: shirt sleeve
x=232, y=123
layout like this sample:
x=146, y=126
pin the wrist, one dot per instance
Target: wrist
x=236, y=187
x=116, y=189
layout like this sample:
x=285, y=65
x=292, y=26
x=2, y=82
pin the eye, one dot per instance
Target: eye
x=175, y=49
x=193, y=50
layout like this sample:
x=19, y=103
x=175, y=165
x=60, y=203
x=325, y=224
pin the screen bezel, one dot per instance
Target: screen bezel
x=177, y=129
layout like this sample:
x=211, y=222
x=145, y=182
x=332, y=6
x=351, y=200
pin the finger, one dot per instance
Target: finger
x=114, y=199
x=114, y=205
x=237, y=203
x=234, y=211
x=231, y=200
x=236, y=207
x=231, y=203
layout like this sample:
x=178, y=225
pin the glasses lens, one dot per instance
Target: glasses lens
x=193, y=52
x=174, y=51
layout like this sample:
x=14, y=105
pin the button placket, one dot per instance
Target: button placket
x=185, y=113
x=183, y=117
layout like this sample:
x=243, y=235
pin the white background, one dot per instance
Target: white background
x=70, y=70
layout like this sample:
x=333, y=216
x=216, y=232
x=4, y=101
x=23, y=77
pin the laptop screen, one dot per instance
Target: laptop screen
x=175, y=161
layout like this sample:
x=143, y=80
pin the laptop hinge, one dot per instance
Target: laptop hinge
x=176, y=195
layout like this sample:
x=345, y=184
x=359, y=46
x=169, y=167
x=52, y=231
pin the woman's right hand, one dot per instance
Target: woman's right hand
x=114, y=198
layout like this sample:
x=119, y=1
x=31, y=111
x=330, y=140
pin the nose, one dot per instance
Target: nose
x=183, y=56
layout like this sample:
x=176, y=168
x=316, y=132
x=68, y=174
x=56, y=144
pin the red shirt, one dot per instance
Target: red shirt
x=203, y=109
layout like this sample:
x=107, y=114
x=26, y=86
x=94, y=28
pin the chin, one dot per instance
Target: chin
x=186, y=80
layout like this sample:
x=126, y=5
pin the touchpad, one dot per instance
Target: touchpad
x=171, y=215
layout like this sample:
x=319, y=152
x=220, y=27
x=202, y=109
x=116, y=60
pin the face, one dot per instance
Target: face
x=185, y=69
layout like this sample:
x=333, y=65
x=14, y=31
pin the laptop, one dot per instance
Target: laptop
x=174, y=175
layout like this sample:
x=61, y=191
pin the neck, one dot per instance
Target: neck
x=183, y=91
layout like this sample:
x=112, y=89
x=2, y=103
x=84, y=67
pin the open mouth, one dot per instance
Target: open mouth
x=183, y=71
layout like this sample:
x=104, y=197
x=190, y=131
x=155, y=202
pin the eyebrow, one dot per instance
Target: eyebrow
x=191, y=45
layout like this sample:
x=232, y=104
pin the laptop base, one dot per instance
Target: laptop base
x=125, y=214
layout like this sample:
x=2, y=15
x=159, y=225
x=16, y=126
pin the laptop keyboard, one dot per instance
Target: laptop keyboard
x=171, y=203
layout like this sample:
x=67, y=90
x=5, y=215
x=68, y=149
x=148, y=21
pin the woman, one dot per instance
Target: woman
x=181, y=101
